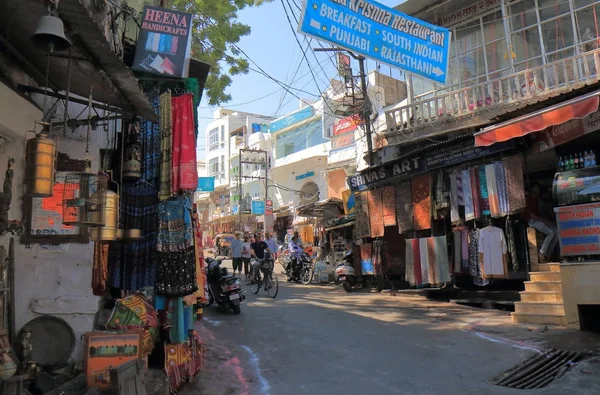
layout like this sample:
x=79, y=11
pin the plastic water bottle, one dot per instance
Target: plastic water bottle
x=576, y=162
x=581, y=162
x=561, y=164
x=592, y=158
x=570, y=163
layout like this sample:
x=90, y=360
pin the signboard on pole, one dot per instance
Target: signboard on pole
x=381, y=33
x=258, y=207
x=206, y=184
x=268, y=215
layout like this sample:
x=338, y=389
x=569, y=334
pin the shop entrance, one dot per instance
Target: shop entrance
x=589, y=317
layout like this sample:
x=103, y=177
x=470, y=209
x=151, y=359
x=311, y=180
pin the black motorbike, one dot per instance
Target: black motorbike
x=301, y=270
x=223, y=288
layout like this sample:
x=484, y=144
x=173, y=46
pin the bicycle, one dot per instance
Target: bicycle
x=268, y=279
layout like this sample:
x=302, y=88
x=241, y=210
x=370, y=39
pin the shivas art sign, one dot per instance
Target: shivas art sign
x=164, y=43
x=404, y=168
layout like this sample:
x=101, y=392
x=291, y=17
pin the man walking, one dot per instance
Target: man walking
x=236, y=253
x=272, y=244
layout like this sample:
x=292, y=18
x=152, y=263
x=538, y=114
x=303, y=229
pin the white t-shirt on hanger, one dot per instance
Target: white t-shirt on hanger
x=492, y=244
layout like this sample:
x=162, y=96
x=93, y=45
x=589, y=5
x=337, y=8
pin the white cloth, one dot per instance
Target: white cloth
x=246, y=250
x=492, y=244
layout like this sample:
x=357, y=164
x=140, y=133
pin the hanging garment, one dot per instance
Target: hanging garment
x=404, y=207
x=375, y=204
x=421, y=195
x=389, y=206
x=492, y=246
x=427, y=261
x=441, y=193
x=475, y=190
x=427, y=274
x=361, y=226
x=366, y=259
x=185, y=171
x=459, y=189
x=484, y=200
x=456, y=251
x=511, y=246
x=175, y=232
x=183, y=361
x=150, y=145
x=513, y=167
x=438, y=246
x=177, y=317
x=454, y=214
x=467, y=195
x=502, y=190
x=100, y=269
x=492, y=186
x=176, y=274
x=474, y=264
x=132, y=265
x=464, y=236
x=409, y=270
x=166, y=136
x=201, y=279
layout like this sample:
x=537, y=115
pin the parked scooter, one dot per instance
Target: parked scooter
x=345, y=273
x=223, y=288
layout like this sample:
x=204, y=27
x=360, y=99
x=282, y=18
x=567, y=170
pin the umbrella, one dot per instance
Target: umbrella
x=136, y=313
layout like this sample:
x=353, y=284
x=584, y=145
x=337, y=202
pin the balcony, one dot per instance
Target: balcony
x=478, y=104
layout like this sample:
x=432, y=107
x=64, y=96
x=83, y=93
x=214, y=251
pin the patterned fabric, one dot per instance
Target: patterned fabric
x=467, y=195
x=175, y=231
x=201, y=279
x=473, y=175
x=135, y=313
x=100, y=269
x=492, y=186
x=176, y=275
x=511, y=245
x=404, y=207
x=361, y=227
x=502, y=190
x=454, y=213
x=464, y=235
x=166, y=136
x=185, y=171
x=474, y=264
x=427, y=261
x=183, y=361
x=457, y=251
x=150, y=142
x=375, y=203
x=441, y=194
x=513, y=167
x=459, y=189
x=484, y=200
x=421, y=196
x=179, y=318
x=366, y=259
x=132, y=265
x=389, y=206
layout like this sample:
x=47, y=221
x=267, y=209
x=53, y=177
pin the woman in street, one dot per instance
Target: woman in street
x=246, y=254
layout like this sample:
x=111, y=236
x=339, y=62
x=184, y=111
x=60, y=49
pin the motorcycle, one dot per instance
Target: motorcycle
x=303, y=270
x=223, y=288
x=345, y=273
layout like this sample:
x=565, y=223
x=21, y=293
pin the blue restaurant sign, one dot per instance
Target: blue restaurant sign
x=206, y=184
x=293, y=118
x=380, y=33
x=258, y=207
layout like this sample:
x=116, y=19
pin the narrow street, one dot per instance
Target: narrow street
x=320, y=340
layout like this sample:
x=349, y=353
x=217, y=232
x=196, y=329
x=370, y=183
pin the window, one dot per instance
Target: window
x=213, y=139
x=213, y=166
x=223, y=164
x=222, y=136
x=299, y=139
x=587, y=22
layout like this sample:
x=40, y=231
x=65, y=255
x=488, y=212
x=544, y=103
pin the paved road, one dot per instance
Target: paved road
x=319, y=340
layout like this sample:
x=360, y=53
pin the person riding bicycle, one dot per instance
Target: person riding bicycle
x=295, y=250
x=260, y=250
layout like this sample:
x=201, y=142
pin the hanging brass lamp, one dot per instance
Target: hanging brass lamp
x=40, y=165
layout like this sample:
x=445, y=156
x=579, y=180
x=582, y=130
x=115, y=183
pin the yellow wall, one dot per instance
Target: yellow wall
x=581, y=285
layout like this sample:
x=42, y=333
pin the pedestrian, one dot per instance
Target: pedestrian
x=272, y=244
x=246, y=254
x=236, y=253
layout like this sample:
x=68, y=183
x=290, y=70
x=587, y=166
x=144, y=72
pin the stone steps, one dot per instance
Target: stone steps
x=541, y=296
x=554, y=286
x=539, y=319
x=541, y=308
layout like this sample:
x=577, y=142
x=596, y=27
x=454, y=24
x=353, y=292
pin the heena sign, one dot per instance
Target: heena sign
x=406, y=167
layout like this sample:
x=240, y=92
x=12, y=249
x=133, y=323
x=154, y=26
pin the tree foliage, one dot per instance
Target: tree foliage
x=216, y=30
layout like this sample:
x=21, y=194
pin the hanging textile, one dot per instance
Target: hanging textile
x=492, y=247
x=183, y=361
x=441, y=194
x=366, y=259
x=150, y=142
x=375, y=204
x=459, y=189
x=100, y=269
x=185, y=172
x=492, y=187
x=511, y=246
x=421, y=196
x=467, y=195
x=502, y=190
x=484, y=200
x=454, y=214
x=200, y=269
x=166, y=136
x=389, y=206
x=132, y=265
x=176, y=274
x=475, y=190
x=361, y=226
x=175, y=316
x=427, y=261
x=474, y=264
x=377, y=256
x=514, y=183
x=464, y=235
x=456, y=251
x=404, y=207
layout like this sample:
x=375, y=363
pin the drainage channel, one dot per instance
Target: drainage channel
x=539, y=370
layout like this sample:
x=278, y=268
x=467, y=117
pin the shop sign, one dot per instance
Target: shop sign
x=258, y=207
x=294, y=118
x=342, y=140
x=473, y=10
x=462, y=152
x=269, y=215
x=345, y=125
x=560, y=134
x=381, y=33
x=305, y=175
x=164, y=42
x=206, y=184
x=579, y=229
x=387, y=172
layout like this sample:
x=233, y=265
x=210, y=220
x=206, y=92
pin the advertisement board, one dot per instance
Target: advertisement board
x=579, y=229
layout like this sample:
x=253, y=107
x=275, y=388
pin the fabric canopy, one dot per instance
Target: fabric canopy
x=577, y=108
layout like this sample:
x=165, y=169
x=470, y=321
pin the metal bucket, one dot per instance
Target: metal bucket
x=40, y=162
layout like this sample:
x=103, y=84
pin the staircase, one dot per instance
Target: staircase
x=542, y=301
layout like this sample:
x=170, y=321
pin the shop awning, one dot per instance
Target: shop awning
x=577, y=108
x=320, y=208
x=351, y=223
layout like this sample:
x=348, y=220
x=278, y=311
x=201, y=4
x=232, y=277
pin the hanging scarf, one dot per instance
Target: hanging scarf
x=100, y=269
x=362, y=227
x=502, y=190
x=166, y=136
x=404, y=207
x=454, y=215
x=421, y=195
x=374, y=200
x=389, y=206
x=185, y=172
x=483, y=191
x=492, y=186
x=514, y=183
x=475, y=191
x=467, y=195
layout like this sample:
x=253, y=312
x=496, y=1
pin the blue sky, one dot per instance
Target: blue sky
x=272, y=46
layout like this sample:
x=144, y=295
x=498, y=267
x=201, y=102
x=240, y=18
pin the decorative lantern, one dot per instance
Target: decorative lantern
x=40, y=163
x=84, y=199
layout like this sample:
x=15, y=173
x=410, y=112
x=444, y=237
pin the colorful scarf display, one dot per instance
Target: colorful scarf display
x=468, y=195
x=404, y=207
x=389, y=206
x=513, y=167
x=362, y=227
x=185, y=172
x=484, y=200
x=366, y=259
x=492, y=187
x=427, y=261
x=166, y=137
x=421, y=196
x=375, y=203
x=183, y=361
x=454, y=214
x=473, y=175
x=502, y=189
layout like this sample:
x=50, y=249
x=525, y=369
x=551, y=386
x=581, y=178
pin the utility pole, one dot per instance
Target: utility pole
x=365, y=109
x=253, y=157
